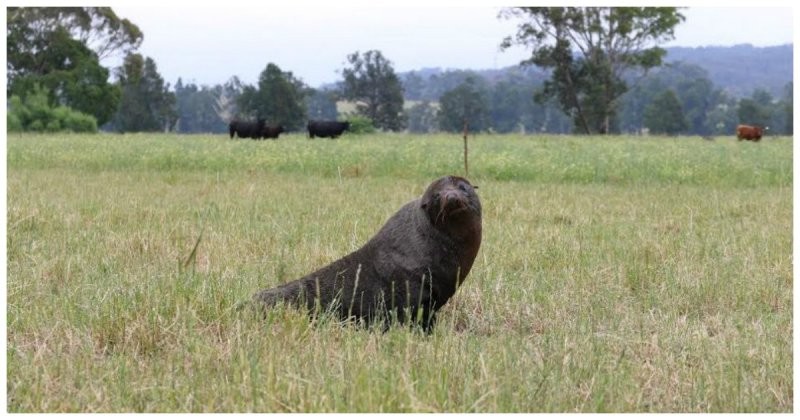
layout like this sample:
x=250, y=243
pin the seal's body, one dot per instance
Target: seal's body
x=408, y=270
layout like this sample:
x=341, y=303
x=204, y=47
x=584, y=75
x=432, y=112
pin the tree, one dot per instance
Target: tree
x=609, y=41
x=59, y=49
x=68, y=70
x=279, y=98
x=225, y=102
x=508, y=104
x=146, y=104
x=422, y=118
x=413, y=86
x=372, y=83
x=467, y=103
x=697, y=96
x=721, y=118
x=632, y=105
x=690, y=83
x=708, y=109
x=321, y=104
x=196, y=109
x=787, y=108
x=664, y=115
x=512, y=105
x=440, y=83
x=755, y=110
x=99, y=28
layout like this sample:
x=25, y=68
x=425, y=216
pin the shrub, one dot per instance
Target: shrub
x=53, y=126
x=13, y=122
x=74, y=121
x=360, y=124
x=36, y=125
x=35, y=114
x=79, y=122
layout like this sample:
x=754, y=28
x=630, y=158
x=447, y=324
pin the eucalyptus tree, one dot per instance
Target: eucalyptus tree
x=588, y=50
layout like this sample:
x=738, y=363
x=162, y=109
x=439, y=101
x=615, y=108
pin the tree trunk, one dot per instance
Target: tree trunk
x=581, y=117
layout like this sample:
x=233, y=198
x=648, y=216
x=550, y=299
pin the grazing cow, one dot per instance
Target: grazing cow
x=749, y=132
x=247, y=129
x=271, y=131
x=330, y=129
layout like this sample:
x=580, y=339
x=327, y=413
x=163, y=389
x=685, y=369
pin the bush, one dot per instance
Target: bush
x=17, y=110
x=13, y=123
x=74, y=121
x=360, y=124
x=79, y=122
x=53, y=126
x=37, y=125
x=35, y=114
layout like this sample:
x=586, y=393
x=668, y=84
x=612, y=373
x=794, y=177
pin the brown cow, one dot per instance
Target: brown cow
x=749, y=132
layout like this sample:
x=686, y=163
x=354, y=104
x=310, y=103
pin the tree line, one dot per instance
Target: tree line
x=56, y=82
x=677, y=98
x=592, y=70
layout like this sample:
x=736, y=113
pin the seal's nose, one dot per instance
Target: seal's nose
x=451, y=199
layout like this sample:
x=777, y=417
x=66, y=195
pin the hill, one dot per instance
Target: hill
x=741, y=68
x=738, y=70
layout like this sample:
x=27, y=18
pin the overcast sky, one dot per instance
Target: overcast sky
x=210, y=43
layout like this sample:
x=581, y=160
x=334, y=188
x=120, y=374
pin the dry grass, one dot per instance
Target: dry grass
x=634, y=295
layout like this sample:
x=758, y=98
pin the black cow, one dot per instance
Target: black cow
x=247, y=129
x=271, y=131
x=330, y=129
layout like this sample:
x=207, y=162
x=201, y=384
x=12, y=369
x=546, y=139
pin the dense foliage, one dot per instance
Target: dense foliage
x=422, y=117
x=360, y=124
x=147, y=103
x=279, y=98
x=465, y=107
x=34, y=113
x=99, y=28
x=59, y=49
x=197, y=108
x=664, y=115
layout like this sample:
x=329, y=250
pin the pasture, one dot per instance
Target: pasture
x=616, y=274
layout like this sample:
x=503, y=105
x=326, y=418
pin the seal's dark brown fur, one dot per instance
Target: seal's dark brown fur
x=408, y=270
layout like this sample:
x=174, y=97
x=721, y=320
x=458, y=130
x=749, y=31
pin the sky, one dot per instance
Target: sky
x=210, y=43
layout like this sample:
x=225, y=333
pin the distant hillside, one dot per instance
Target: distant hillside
x=741, y=68
x=738, y=70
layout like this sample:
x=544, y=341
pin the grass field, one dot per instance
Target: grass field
x=616, y=274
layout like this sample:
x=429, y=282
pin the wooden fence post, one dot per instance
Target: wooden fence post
x=466, y=151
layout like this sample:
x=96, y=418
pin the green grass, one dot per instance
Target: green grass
x=547, y=159
x=616, y=274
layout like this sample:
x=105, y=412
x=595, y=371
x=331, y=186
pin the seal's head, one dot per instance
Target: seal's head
x=451, y=200
x=453, y=208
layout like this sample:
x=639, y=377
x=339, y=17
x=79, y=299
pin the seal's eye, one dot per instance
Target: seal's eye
x=462, y=187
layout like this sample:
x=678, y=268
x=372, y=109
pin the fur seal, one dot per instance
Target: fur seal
x=407, y=271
